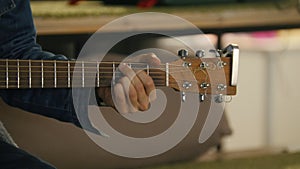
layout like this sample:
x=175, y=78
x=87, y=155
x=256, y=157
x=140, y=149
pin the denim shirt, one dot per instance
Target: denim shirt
x=18, y=41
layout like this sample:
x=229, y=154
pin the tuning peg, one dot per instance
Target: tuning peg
x=200, y=53
x=219, y=98
x=183, y=53
x=201, y=97
x=183, y=96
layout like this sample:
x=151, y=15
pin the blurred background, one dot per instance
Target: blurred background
x=262, y=119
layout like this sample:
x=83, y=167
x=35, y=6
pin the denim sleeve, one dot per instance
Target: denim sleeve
x=18, y=41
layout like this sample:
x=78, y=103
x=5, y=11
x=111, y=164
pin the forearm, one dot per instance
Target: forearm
x=18, y=41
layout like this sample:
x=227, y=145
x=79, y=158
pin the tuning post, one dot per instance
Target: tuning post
x=200, y=53
x=222, y=87
x=217, y=53
x=187, y=64
x=221, y=64
x=204, y=65
x=186, y=85
x=183, y=53
x=204, y=85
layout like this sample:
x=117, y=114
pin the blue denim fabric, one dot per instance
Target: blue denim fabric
x=18, y=41
x=14, y=158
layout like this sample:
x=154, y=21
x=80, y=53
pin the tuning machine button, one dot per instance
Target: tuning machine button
x=202, y=97
x=221, y=98
x=183, y=96
x=183, y=53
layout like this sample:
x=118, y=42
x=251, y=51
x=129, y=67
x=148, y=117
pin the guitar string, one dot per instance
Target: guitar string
x=74, y=71
x=89, y=71
x=171, y=69
x=72, y=62
x=95, y=68
x=38, y=62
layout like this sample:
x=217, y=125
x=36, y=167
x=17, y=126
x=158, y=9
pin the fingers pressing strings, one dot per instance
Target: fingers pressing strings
x=137, y=87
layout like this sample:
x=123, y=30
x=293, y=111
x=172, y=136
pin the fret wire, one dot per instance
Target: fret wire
x=98, y=74
x=82, y=65
x=18, y=72
x=148, y=69
x=29, y=66
x=55, y=78
x=69, y=74
x=42, y=72
x=167, y=74
x=7, y=78
x=114, y=74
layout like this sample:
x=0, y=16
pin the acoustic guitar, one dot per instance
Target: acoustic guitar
x=216, y=76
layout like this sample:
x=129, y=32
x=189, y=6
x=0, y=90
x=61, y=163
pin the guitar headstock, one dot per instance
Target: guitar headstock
x=199, y=74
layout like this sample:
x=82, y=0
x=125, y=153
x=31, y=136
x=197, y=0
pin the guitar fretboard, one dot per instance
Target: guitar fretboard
x=67, y=74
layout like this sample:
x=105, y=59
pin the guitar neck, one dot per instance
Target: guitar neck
x=188, y=75
x=66, y=74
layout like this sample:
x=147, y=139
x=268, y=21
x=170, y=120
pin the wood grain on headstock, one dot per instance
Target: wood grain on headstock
x=194, y=74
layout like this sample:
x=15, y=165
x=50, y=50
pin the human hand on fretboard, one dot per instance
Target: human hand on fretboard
x=132, y=91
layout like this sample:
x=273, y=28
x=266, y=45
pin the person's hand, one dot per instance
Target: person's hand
x=133, y=91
